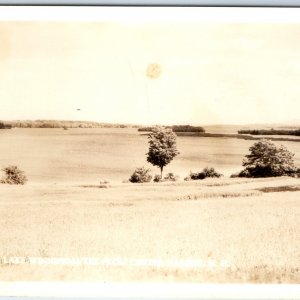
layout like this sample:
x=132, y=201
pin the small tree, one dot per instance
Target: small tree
x=140, y=175
x=268, y=160
x=162, y=147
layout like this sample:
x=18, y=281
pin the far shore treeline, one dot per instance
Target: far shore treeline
x=270, y=132
x=5, y=126
x=178, y=128
x=89, y=124
x=61, y=124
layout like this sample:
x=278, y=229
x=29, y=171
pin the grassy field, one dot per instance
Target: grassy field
x=241, y=230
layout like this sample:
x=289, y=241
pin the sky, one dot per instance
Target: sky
x=209, y=73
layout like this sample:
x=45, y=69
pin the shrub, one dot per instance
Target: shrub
x=205, y=173
x=211, y=172
x=296, y=174
x=243, y=173
x=268, y=160
x=140, y=175
x=171, y=177
x=197, y=176
x=13, y=175
x=157, y=178
x=235, y=175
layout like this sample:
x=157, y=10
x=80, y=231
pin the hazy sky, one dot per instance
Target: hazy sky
x=210, y=73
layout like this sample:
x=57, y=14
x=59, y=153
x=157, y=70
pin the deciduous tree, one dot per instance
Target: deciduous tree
x=268, y=160
x=162, y=147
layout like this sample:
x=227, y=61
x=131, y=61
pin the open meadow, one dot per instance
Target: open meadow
x=213, y=230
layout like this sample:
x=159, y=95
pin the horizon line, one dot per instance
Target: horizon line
x=149, y=125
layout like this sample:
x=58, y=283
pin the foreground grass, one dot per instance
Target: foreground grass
x=232, y=220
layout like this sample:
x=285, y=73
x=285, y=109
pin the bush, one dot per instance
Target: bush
x=13, y=175
x=197, y=176
x=211, y=172
x=171, y=177
x=206, y=172
x=168, y=177
x=268, y=160
x=157, y=178
x=243, y=173
x=140, y=175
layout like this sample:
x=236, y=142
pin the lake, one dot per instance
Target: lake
x=90, y=155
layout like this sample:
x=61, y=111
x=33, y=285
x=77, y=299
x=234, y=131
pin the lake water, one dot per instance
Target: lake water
x=90, y=155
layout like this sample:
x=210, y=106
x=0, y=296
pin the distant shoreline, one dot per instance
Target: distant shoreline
x=64, y=124
x=237, y=136
x=180, y=130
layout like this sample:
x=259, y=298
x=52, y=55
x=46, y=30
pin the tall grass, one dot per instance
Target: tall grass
x=276, y=189
x=207, y=195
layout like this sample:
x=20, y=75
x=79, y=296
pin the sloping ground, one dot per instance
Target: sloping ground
x=218, y=230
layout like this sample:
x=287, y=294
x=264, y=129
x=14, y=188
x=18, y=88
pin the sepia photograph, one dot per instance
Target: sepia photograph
x=162, y=147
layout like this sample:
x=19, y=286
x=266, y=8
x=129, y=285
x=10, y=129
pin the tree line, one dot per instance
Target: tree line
x=61, y=124
x=5, y=126
x=175, y=128
x=272, y=131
